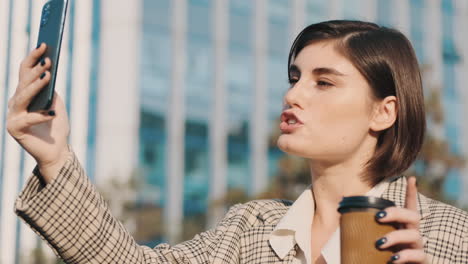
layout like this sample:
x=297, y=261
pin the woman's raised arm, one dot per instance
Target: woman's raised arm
x=76, y=222
x=67, y=211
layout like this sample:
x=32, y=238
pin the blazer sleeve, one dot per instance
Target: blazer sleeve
x=462, y=255
x=75, y=221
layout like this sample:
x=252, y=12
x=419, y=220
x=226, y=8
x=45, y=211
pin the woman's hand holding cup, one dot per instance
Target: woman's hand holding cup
x=42, y=134
x=408, y=237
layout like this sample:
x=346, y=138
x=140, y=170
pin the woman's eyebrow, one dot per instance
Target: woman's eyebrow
x=324, y=70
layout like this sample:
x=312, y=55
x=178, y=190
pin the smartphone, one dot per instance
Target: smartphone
x=50, y=32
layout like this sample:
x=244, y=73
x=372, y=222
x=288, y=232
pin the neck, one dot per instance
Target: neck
x=330, y=183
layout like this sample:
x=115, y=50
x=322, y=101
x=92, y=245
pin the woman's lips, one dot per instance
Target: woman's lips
x=286, y=125
x=289, y=128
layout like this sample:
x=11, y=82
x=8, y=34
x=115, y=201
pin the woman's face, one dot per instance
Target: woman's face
x=328, y=107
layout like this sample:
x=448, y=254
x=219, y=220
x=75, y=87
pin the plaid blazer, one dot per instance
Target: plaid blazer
x=75, y=221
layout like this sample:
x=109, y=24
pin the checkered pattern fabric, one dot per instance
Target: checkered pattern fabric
x=444, y=228
x=75, y=221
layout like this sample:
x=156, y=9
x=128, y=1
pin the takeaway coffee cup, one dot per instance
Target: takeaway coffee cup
x=359, y=230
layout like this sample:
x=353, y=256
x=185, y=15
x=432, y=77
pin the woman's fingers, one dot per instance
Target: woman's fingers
x=32, y=119
x=409, y=256
x=408, y=216
x=404, y=216
x=411, y=194
x=35, y=73
x=410, y=237
x=17, y=124
x=23, y=97
x=31, y=60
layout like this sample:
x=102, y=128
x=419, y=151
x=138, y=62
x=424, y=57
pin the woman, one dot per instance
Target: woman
x=354, y=109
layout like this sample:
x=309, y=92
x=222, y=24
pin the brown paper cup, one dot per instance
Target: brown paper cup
x=359, y=230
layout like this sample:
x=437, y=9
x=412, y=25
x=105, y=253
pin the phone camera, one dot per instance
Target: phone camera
x=45, y=18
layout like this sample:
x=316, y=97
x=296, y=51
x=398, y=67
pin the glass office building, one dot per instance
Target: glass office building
x=243, y=66
x=183, y=96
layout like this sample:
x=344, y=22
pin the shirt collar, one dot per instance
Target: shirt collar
x=295, y=227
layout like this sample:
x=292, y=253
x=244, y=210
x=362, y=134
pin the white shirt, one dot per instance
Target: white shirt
x=295, y=228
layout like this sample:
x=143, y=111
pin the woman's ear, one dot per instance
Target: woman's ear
x=384, y=114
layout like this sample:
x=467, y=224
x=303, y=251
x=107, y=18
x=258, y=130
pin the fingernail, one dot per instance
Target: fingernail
x=380, y=242
x=42, y=62
x=51, y=113
x=38, y=45
x=43, y=75
x=395, y=257
x=380, y=215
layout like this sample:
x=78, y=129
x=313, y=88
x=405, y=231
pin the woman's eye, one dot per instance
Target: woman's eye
x=293, y=81
x=324, y=83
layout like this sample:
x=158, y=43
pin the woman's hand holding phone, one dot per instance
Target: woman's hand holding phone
x=42, y=134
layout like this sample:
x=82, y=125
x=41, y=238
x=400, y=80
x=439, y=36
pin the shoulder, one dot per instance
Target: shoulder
x=270, y=211
x=259, y=211
x=444, y=228
x=445, y=218
x=445, y=231
x=437, y=213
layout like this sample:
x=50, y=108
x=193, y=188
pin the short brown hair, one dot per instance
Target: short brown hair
x=387, y=61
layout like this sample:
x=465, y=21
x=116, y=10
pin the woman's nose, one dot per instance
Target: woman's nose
x=292, y=97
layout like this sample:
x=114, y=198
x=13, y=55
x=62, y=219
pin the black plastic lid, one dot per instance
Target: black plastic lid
x=362, y=202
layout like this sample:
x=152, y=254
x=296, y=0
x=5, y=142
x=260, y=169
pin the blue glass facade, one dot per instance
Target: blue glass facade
x=450, y=97
x=5, y=100
x=155, y=83
x=156, y=72
x=93, y=90
x=70, y=46
x=416, y=32
x=385, y=13
x=279, y=41
x=240, y=84
x=350, y=11
x=198, y=105
x=316, y=11
x=278, y=49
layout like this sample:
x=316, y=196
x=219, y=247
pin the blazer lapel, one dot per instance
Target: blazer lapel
x=396, y=192
x=255, y=245
x=290, y=257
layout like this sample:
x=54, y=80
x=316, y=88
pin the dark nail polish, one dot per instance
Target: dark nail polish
x=380, y=242
x=380, y=215
x=38, y=45
x=43, y=75
x=395, y=257
x=42, y=62
x=51, y=113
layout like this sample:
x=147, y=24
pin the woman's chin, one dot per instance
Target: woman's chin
x=289, y=144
